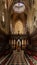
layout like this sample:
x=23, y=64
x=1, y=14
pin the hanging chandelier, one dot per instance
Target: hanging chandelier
x=19, y=7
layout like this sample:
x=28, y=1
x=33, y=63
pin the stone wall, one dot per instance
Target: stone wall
x=4, y=26
x=30, y=19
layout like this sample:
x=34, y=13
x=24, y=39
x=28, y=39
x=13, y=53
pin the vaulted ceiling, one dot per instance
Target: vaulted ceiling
x=27, y=2
x=8, y=7
x=10, y=3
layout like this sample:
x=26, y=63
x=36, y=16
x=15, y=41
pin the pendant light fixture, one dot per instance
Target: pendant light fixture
x=19, y=6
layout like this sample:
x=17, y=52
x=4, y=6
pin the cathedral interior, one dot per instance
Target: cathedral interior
x=18, y=32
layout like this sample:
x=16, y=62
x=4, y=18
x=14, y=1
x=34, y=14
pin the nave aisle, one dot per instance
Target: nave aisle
x=18, y=58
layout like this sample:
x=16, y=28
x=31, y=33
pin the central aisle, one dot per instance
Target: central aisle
x=18, y=58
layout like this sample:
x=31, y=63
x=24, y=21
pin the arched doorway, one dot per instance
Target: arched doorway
x=18, y=44
x=19, y=27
